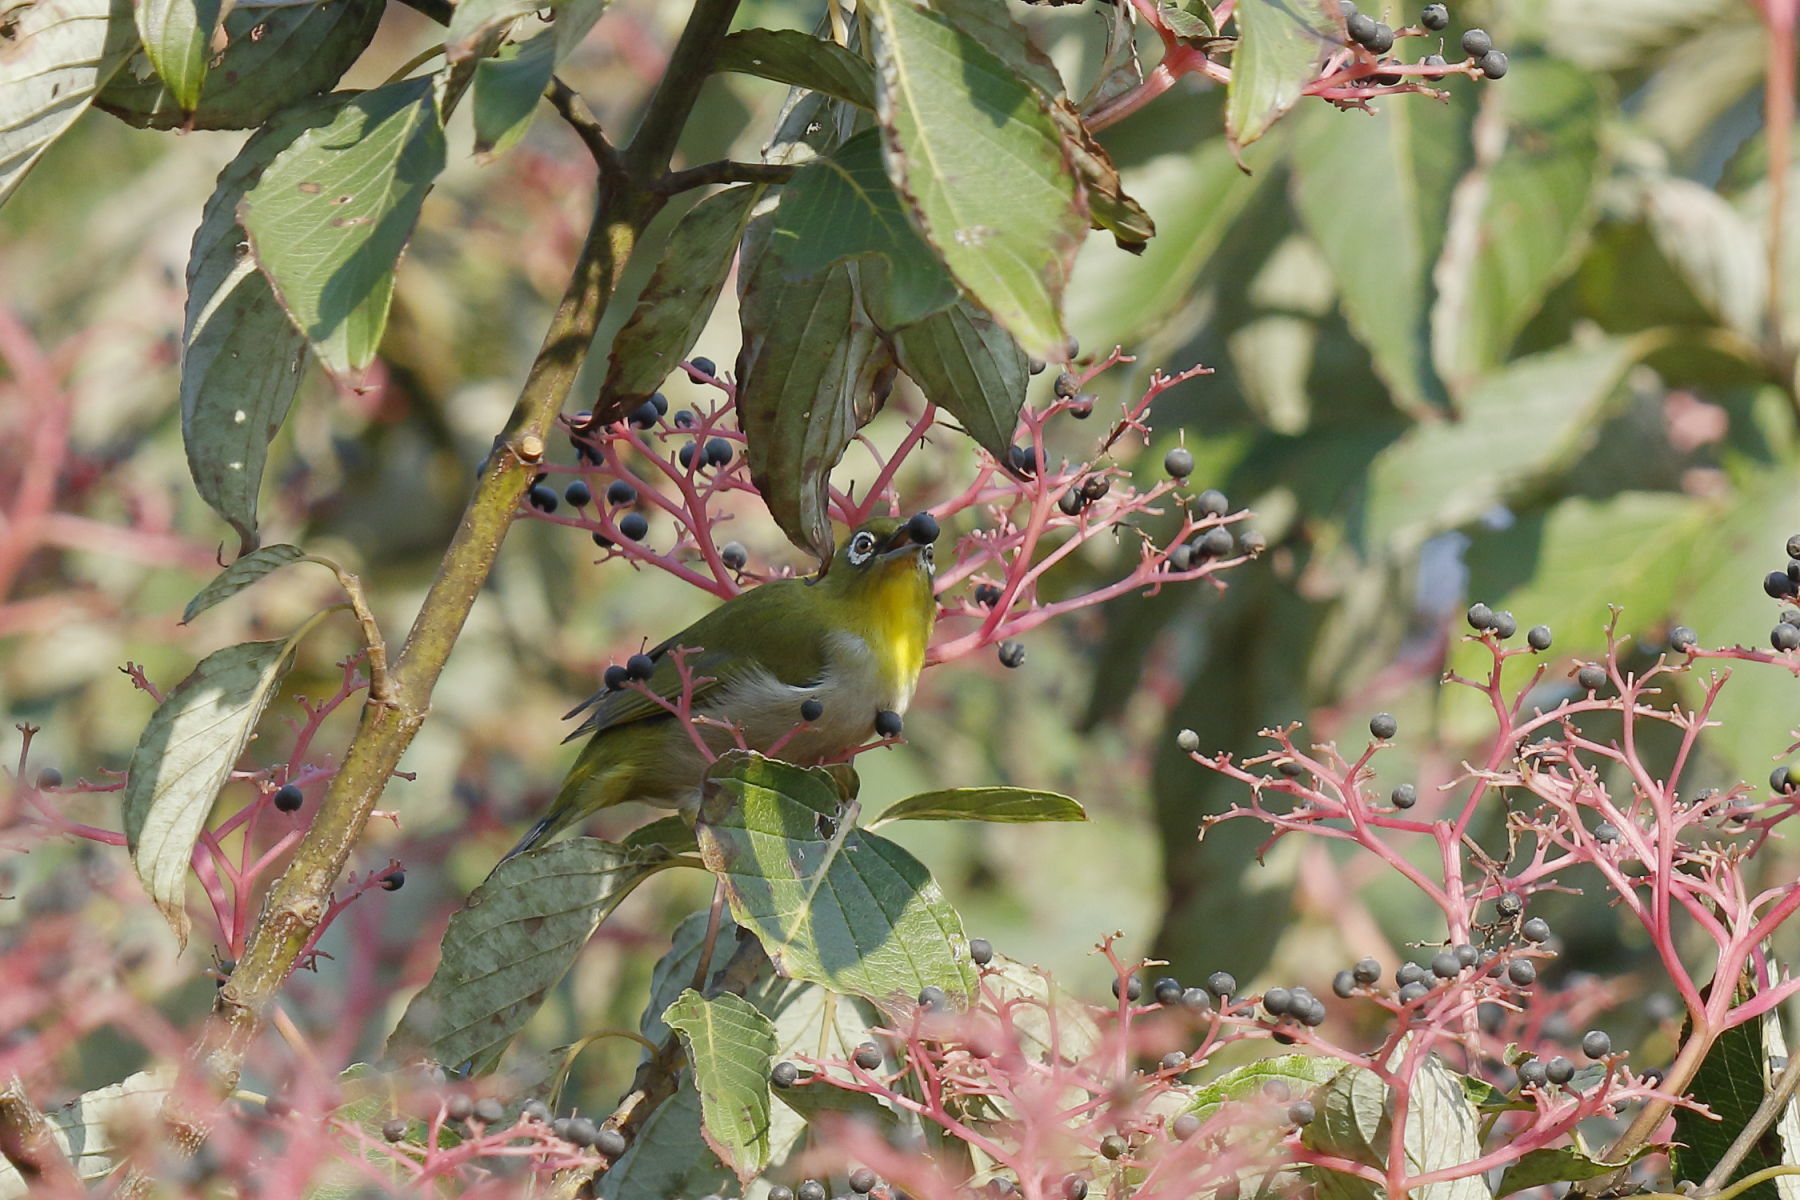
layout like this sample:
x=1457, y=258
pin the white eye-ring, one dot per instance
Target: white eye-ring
x=861, y=546
x=930, y=561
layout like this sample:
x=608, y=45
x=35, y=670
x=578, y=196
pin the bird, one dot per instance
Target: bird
x=819, y=662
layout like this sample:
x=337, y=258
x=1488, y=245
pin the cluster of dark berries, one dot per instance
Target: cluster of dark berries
x=1503, y=625
x=638, y=667
x=1784, y=585
x=1378, y=38
x=1078, y=404
x=1217, y=542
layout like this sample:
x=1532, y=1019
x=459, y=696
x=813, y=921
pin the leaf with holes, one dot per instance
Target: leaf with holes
x=835, y=905
x=332, y=213
x=974, y=151
x=731, y=1046
x=508, y=946
x=186, y=753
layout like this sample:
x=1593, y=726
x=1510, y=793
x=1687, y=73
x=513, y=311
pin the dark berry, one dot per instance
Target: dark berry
x=922, y=528
x=1215, y=542
x=602, y=541
x=733, y=555
x=1606, y=831
x=1510, y=904
x=1445, y=965
x=683, y=419
x=1535, y=930
x=867, y=1056
x=1435, y=16
x=1113, y=1146
x=1409, y=972
x=610, y=1142
x=660, y=403
x=1174, y=1060
x=1095, y=486
x=932, y=996
x=394, y=880
x=1466, y=954
x=888, y=723
x=1793, y=546
x=1412, y=992
x=1071, y=502
x=1291, y=769
x=1179, y=462
x=1081, y=406
x=1479, y=616
x=49, y=779
x=718, y=452
x=812, y=708
x=1360, y=27
x=1533, y=1074
x=1301, y=1112
x=616, y=677
x=289, y=797
x=1022, y=460
x=1382, y=40
x=1404, y=796
x=1277, y=1000
x=1493, y=64
x=1793, y=569
x=489, y=1111
x=1221, y=984
x=640, y=666
x=1212, y=502
x=1185, y=1126
x=1134, y=987
x=1504, y=625
x=1181, y=558
x=394, y=1130
x=1253, y=542
x=784, y=1074
x=1066, y=385
x=1383, y=726
x=1433, y=60
x=1522, y=972
x=685, y=456
x=1596, y=1043
x=1388, y=78
x=619, y=492
x=1314, y=1015
x=705, y=366
x=863, y=1181
x=1476, y=42
x=1538, y=637
x=535, y=1110
x=634, y=526
x=542, y=497
x=812, y=1189
x=1559, y=1070
x=1365, y=971
x=1343, y=985
x=1785, y=637
x=1074, y=1188
x=1012, y=654
x=459, y=1107
x=1591, y=678
x=1782, y=780
x=1167, y=990
x=578, y=494
x=779, y=1192
x=987, y=594
x=981, y=951
x=644, y=415
x=1682, y=639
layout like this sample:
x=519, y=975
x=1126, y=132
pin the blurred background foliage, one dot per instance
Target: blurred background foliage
x=1514, y=347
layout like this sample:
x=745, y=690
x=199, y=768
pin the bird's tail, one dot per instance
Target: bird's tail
x=536, y=834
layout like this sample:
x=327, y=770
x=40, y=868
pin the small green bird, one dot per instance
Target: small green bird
x=811, y=660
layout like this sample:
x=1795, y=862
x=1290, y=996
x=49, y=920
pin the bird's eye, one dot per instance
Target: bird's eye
x=930, y=561
x=861, y=546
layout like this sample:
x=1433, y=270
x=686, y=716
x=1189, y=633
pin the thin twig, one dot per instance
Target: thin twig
x=723, y=171
x=574, y=110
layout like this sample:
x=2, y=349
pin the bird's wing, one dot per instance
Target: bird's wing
x=753, y=628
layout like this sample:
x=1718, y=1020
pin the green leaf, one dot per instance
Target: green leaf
x=973, y=149
x=184, y=757
x=507, y=89
x=275, y=55
x=240, y=575
x=1405, y=161
x=731, y=1047
x=241, y=356
x=1119, y=70
x=1714, y=250
x=176, y=36
x=838, y=906
x=1518, y=429
x=668, y=1157
x=799, y=60
x=1520, y=220
x=972, y=369
x=841, y=207
x=98, y=1129
x=331, y=214
x=807, y=373
x=672, y=833
x=677, y=301
x=1280, y=47
x=1188, y=18
x=675, y=971
x=510, y=944
x=1731, y=1082
x=1441, y=1132
x=1559, y=1164
x=1004, y=804
x=1247, y=1082
x=58, y=54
